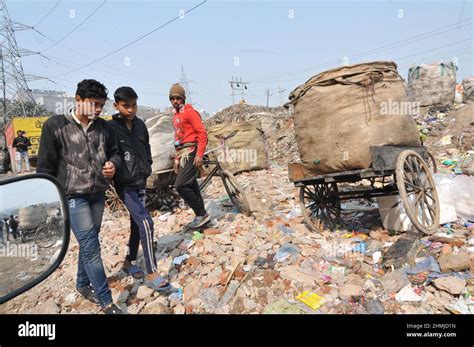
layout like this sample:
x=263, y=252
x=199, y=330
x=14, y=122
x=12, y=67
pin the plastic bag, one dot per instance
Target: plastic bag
x=456, y=196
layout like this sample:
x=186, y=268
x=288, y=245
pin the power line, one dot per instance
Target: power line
x=77, y=26
x=47, y=14
x=375, y=50
x=56, y=60
x=134, y=41
x=434, y=49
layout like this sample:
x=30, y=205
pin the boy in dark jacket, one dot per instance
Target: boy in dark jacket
x=130, y=182
x=80, y=151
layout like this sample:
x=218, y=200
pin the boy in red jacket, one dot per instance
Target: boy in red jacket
x=190, y=144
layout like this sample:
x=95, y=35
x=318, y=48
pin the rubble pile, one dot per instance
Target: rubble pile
x=271, y=263
x=277, y=124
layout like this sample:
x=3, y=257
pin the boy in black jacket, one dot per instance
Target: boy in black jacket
x=130, y=182
x=79, y=149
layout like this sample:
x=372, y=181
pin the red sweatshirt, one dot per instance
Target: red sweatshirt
x=188, y=127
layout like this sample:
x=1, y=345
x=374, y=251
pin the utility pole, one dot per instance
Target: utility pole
x=238, y=85
x=268, y=94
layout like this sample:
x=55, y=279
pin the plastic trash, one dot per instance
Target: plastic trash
x=361, y=247
x=197, y=236
x=393, y=214
x=164, y=217
x=464, y=197
x=179, y=260
x=285, y=230
x=447, y=194
x=376, y=257
x=285, y=251
x=407, y=294
x=445, y=140
x=459, y=307
x=427, y=264
x=312, y=300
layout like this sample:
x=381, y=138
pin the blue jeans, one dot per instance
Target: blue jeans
x=86, y=218
x=24, y=155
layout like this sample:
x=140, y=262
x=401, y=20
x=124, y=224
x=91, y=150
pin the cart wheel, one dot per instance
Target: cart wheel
x=114, y=207
x=235, y=192
x=321, y=206
x=432, y=163
x=417, y=191
x=44, y=235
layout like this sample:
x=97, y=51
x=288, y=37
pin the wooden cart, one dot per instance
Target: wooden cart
x=402, y=171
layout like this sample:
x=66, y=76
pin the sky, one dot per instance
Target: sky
x=272, y=45
x=27, y=192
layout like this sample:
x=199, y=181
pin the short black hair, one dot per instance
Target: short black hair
x=125, y=94
x=91, y=89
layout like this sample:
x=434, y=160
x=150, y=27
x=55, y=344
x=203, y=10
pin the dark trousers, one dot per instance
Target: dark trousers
x=141, y=226
x=187, y=186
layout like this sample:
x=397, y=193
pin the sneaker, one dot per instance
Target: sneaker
x=88, y=293
x=112, y=309
x=199, y=221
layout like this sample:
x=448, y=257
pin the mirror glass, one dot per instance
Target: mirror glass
x=32, y=231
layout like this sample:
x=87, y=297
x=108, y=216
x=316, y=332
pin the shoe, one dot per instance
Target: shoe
x=199, y=221
x=88, y=293
x=112, y=309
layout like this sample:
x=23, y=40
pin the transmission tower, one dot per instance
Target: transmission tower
x=185, y=83
x=281, y=91
x=14, y=82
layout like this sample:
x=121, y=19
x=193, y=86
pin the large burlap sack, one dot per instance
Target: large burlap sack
x=432, y=85
x=33, y=216
x=468, y=89
x=161, y=131
x=340, y=113
x=245, y=151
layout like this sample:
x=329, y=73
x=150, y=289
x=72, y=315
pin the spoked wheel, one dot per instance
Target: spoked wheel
x=321, y=206
x=432, y=163
x=418, y=192
x=236, y=193
x=114, y=207
x=45, y=235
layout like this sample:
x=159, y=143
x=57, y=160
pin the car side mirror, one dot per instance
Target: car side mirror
x=34, y=219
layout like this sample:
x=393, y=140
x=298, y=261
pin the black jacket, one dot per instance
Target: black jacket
x=21, y=143
x=77, y=159
x=134, y=145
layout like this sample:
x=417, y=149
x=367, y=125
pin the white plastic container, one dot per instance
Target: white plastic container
x=393, y=214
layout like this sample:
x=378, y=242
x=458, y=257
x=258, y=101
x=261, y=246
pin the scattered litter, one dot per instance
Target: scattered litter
x=312, y=300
